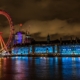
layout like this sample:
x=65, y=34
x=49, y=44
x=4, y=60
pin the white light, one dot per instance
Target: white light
x=73, y=59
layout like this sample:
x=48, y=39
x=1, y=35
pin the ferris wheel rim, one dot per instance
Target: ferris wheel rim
x=4, y=13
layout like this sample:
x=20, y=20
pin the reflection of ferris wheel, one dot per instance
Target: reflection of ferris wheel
x=11, y=26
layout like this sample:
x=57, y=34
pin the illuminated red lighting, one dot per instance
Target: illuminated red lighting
x=0, y=32
x=2, y=44
x=10, y=23
x=20, y=25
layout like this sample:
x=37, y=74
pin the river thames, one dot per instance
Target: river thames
x=40, y=68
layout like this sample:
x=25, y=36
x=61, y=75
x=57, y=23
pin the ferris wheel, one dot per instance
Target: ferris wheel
x=11, y=27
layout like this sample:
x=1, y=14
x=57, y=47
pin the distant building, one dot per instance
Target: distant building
x=28, y=38
x=30, y=46
x=21, y=37
x=66, y=47
x=48, y=38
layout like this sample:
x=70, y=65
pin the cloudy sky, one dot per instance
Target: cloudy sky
x=59, y=18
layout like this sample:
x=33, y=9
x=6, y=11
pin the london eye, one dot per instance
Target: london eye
x=11, y=27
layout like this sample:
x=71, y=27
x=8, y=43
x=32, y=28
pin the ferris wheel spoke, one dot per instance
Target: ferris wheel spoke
x=11, y=26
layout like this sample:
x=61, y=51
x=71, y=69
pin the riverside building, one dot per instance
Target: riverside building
x=23, y=44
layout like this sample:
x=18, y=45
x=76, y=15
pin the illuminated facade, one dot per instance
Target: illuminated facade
x=22, y=50
x=48, y=49
x=68, y=47
x=43, y=49
x=21, y=38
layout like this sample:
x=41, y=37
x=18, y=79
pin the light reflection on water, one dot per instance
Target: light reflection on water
x=40, y=68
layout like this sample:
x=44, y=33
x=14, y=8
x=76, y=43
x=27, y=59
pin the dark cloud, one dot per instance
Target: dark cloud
x=42, y=9
x=55, y=17
x=38, y=37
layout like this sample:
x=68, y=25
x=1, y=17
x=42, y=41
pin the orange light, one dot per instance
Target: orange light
x=20, y=25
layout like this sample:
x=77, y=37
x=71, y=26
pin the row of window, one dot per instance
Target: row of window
x=47, y=49
x=44, y=49
x=26, y=50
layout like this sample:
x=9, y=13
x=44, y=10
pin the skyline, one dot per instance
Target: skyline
x=55, y=17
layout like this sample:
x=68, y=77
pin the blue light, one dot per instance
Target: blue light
x=63, y=49
x=20, y=50
x=43, y=49
x=55, y=48
x=19, y=37
x=76, y=49
x=70, y=49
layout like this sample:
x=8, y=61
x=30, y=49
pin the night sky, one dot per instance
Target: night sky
x=59, y=18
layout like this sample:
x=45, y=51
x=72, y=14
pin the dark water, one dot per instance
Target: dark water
x=39, y=68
